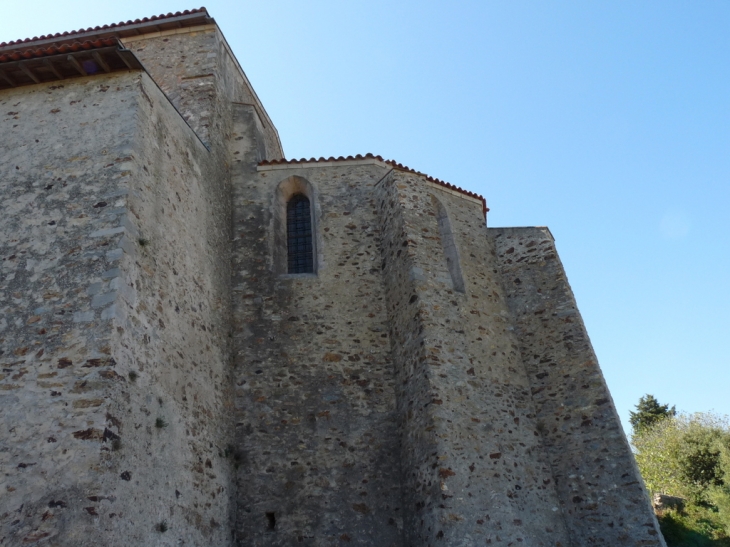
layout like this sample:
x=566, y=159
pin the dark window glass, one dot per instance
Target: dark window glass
x=299, y=235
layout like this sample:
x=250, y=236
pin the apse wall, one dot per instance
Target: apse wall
x=316, y=429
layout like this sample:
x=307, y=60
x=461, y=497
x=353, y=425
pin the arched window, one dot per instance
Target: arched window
x=293, y=240
x=299, y=235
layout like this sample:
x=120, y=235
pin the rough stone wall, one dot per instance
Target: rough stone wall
x=196, y=71
x=431, y=383
x=61, y=218
x=315, y=402
x=600, y=488
x=474, y=471
x=172, y=334
x=184, y=66
x=114, y=320
x=237, y=90
x=416, y=424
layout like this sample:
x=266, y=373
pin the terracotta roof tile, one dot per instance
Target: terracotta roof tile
x=392, y=163
x=113, y=26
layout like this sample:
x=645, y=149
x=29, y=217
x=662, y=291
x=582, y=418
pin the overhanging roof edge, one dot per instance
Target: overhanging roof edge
x=119, y=30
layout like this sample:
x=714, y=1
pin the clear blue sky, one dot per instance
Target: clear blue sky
x=609, y=122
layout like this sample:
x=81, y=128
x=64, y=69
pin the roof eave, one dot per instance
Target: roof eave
x=120, y=30
x=50, y=68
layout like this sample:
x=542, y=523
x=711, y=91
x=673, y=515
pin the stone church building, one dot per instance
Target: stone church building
x=203, y=343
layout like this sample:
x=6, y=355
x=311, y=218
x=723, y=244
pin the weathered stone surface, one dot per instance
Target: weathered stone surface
x=467, y=421
x=598, y=483
x=200, y=76
x=119, y=338
x=52, y=442
x=662, y=502
x=315, y=401
x=165, y=381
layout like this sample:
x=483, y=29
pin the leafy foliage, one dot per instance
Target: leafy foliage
x=681, y=456
x=697, y=527
x=719, y=495
x=686, y=455
x=657, y=452
x=649, y=412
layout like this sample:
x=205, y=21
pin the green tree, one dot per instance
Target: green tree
x=682, y=455
x=688, y=455
x=719, y=495
x=648, y=413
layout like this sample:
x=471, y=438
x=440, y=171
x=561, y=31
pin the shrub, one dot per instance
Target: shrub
x=681, y=455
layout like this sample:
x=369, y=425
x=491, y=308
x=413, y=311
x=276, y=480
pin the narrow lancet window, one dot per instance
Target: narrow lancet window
x=299, y=235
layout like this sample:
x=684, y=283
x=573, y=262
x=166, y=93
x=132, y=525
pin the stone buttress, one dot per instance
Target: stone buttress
x=474, y=471
x=600, y=488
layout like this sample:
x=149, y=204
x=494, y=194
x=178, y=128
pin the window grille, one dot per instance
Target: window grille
x=299, y=235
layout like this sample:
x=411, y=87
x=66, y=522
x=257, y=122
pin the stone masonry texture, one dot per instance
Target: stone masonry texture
x=164, y=380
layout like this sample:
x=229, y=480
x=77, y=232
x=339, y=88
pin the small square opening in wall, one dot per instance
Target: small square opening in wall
x=271, y=521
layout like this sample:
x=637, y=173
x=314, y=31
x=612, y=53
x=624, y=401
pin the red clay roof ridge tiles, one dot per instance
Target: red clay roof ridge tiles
x=392, y=163
x=112, y=27
x=322, y=159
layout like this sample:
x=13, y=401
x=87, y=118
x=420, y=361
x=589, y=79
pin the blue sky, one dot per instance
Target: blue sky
x=608, y=122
